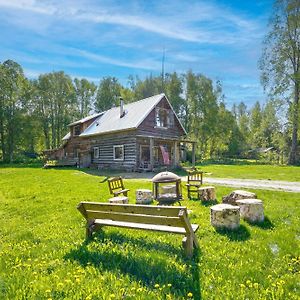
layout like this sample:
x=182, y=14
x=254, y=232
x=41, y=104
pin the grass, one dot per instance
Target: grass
x=250, y=171
x=43, y=253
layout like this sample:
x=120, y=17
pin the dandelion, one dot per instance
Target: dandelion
x=169, y=284
x=156, y=285
x=242, y=286
x=139, y=289
x=190, y=295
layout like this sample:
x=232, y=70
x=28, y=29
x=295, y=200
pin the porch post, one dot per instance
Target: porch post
x=193, y=154
x=175, y=153
x=151, y=153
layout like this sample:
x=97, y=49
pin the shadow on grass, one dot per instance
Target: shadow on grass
x=266, y=224
x=240, y=234
x=145, y=264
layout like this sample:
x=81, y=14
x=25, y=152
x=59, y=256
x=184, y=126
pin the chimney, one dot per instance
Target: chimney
x=122, y=111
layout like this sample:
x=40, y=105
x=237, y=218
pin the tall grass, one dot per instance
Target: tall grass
x=44, y=255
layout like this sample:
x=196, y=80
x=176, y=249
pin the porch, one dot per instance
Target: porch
x=154, y=152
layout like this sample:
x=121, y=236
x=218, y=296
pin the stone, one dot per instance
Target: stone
x=238, y=195
x=119, y=200
x=251, y=210
x=207, y=193
x=143, y=196
x=225, y=216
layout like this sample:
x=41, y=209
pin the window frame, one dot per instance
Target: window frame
x=158, y=122
x=74, y=130
x=114, y=152
x=94, y=151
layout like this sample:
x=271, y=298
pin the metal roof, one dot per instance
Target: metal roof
x=86, y=119
x=67, y=136
x=135, y=113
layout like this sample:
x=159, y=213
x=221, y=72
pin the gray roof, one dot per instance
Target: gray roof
x=86, y=119
x=67, y=136
x=110, y=121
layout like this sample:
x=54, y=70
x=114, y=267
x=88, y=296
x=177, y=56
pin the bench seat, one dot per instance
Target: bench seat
x=131, y=225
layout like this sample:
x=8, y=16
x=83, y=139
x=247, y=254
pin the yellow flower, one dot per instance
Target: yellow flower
x=48, y=291
x=139, y=289
x=190, y=295
x=242, y=286
x=255, y=285
x=169, y=284
x=156, y=285
x=112, y=296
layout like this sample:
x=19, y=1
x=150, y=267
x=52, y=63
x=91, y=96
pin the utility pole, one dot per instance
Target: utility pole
x=163, y=71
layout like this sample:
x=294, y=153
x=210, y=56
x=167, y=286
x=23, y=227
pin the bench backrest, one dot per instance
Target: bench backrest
x=195, y=176
x=145, y=214
x=115, y=183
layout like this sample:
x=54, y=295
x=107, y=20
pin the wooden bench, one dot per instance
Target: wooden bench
x=116, y=186
x=155, y=218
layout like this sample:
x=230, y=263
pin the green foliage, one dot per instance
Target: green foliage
x=280, y=62
x=108, y=94
x=43, y=254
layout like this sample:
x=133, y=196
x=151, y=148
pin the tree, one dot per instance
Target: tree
x=85, y=92
x=108, y=94
x=56, y=105
x=12, y=90
x=280, y=61
x=255, y=120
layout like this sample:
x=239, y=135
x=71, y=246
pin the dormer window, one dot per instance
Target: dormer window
x=164, y=117
x=76, y=130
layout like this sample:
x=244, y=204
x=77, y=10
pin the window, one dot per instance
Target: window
x=76, y=153
x=164, y=117
x=76, y=130
x=96, y=152
x=119, y=152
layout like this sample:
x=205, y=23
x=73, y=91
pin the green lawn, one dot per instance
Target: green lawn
x=252, y=171
x=43, y=254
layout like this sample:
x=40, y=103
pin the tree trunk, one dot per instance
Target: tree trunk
x=295, y=122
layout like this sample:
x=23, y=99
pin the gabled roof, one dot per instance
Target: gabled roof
x=110, y=121
x=86, y=119
x=136, y=113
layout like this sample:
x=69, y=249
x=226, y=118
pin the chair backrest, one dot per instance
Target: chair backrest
x=195, y=176
x=115, y=183
x=156, y=215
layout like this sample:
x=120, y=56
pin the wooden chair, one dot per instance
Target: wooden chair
x=116, y=186
x=194, y=182
x=170, y=219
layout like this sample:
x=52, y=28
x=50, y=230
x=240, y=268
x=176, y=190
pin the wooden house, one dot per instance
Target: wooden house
x=141, y=135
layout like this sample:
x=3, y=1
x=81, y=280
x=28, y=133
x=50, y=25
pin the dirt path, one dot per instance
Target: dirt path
x=285, y=186
x=277, y=185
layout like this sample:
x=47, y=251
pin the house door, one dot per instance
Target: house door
x=86, y=160
x=144, y=156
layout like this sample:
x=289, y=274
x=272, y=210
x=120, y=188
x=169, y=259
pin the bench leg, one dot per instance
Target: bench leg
x=187, y=243
x=89, y=229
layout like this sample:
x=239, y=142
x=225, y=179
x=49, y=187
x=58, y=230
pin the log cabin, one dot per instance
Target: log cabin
x=141, y=135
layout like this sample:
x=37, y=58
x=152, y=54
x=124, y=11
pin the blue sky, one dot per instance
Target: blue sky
x=91, y=39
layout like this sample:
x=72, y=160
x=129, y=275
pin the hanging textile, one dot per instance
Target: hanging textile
x=165, y=154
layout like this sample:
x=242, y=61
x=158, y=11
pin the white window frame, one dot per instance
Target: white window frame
x=96, y=150
x=114, y=149
x=157, y=117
